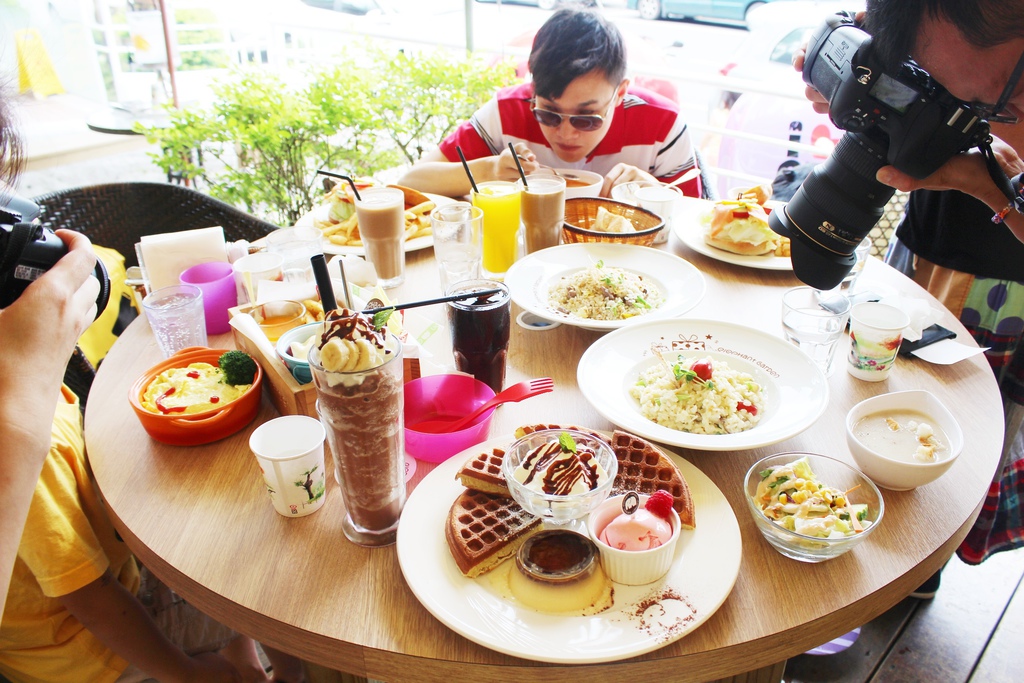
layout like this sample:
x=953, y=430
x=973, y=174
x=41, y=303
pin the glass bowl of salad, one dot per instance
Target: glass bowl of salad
x=811, y=507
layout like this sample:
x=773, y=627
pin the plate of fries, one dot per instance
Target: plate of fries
x=688, y=226
x=336, y=218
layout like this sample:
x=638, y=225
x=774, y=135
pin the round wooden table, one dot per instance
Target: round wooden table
x=200, y=519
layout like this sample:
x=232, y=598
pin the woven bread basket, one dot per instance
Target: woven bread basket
x=581, y=212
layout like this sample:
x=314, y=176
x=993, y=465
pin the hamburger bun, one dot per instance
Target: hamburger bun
x=740, y=227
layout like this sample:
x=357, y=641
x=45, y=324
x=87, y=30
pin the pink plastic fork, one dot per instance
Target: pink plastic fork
x=513, y=394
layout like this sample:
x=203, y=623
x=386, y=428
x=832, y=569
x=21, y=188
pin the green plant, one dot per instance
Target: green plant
x=261, y=142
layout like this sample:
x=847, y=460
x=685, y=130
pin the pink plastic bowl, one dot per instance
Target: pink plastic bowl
x=445, y=396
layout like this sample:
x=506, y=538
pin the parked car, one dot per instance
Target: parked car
x=357, y=7
x=546, y=4
x=735, y=10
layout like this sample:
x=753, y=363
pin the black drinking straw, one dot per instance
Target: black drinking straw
x=323, y=282
x=466, y=166
x=518, y=165
x=430, y=302
x=343, y=177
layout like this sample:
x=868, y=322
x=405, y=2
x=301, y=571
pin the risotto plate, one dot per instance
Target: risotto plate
x=795, y=390
x=530, y=279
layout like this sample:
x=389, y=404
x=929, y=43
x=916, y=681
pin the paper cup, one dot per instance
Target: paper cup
x=252, y=269
x=290, y=453
x=876, y=332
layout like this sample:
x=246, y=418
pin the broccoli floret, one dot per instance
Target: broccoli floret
x=238, y=367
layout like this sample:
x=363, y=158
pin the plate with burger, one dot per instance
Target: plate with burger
x=335, y=216
x=734, y=230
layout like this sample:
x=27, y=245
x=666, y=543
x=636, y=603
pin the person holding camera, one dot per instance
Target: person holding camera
x=948, y=240
x=72, y=606
x=975, y=49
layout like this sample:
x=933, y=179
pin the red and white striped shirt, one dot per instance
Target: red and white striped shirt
x=646, y=132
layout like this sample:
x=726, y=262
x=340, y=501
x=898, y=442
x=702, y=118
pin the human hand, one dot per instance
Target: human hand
x=41, y=328
x=623, y=173
x=966, y=173
x=505, y=167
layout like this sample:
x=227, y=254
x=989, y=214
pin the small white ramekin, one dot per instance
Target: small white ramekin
x=631, y=567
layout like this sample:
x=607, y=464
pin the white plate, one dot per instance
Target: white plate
x=319, y=212
x=795, y=389
x=529, y=279
x=701, y=578
x=689, y=228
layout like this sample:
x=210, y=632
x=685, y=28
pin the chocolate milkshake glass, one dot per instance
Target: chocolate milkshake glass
x=542, y=210
x=381, y=215
x=480, y=328
x=362, y=413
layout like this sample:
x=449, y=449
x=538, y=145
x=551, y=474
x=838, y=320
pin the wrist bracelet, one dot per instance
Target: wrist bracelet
x=1016, y=204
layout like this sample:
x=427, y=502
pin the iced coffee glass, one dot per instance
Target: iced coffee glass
x=362, y=413
x=542, y=210
x=381, y=215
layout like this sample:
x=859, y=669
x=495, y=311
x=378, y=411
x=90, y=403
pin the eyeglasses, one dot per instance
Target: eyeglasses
x=582, y=122
x=990, y=112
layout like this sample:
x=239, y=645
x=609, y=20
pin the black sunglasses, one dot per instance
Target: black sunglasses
x=582, y=122
x=991, y=112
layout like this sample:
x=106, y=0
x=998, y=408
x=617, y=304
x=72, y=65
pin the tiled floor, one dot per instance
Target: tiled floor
x=971, y=632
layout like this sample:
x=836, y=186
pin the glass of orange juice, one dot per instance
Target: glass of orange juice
x=277, y=317
x=499, y=201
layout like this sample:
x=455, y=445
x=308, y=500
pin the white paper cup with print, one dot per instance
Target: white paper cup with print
x=252, y=269
x=290, y=453
x=876, y=332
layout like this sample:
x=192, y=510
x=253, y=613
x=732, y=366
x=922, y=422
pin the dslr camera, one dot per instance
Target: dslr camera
x=27, y=250
x=895, y=116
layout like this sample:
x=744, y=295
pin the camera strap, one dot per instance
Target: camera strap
x=21, y=235
x=1012, y=189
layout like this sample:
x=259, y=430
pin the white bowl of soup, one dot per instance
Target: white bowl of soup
x=904, y=439
x=580, y=183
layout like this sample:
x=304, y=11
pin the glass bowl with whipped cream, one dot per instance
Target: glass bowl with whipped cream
x=559, y=475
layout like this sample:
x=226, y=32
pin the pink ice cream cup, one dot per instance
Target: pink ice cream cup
x=631, y=567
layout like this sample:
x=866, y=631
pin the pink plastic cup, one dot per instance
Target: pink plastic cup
x=217, y=280
x=439, y=397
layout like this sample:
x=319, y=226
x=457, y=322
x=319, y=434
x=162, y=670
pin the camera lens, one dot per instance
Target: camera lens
x=834, y=209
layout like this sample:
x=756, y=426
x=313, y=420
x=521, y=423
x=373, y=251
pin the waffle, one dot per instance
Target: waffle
x=483, y=473
x=484, y=529
x=530, y=429
x=644, y=468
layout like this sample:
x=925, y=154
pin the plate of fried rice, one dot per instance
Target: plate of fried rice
x=703, y=384
x=602, y=286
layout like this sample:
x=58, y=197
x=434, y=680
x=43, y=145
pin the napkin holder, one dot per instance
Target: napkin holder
x=287, y=395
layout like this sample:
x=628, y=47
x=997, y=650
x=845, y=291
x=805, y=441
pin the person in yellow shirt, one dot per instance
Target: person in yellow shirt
x=67, y=582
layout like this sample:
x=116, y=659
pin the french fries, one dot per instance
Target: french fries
x=346, y=233
x=314, y=308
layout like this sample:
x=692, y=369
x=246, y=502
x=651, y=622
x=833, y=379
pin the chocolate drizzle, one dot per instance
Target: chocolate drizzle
x=561, y=469
x=343, y=323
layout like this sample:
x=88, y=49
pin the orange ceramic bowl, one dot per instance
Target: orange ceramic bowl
x=197, y=428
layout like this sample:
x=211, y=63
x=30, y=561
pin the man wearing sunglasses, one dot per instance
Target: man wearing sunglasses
x=579, y=112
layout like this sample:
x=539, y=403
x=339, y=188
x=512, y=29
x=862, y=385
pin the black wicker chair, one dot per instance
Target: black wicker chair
x=116, y=215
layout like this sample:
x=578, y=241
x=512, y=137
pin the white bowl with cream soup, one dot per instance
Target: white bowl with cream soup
x=903, y=439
